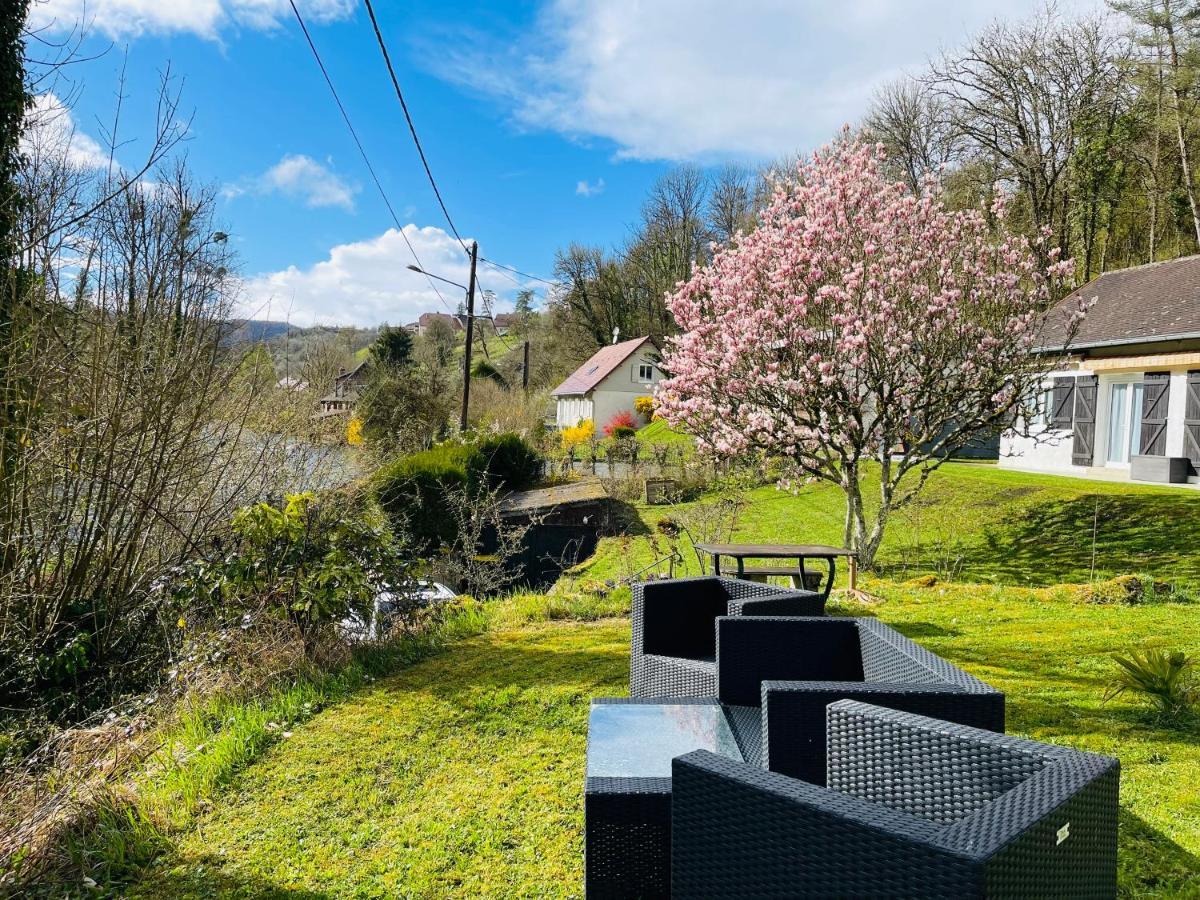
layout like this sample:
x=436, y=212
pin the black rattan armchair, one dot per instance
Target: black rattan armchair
x=776, y=676
x=915, y=807
x=673, y=651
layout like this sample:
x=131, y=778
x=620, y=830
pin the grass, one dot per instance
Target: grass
x=973, y=522
x=461, y=776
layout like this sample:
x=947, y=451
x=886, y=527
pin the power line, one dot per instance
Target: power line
x=408, y=118
x=362, y=151
x=519, y=272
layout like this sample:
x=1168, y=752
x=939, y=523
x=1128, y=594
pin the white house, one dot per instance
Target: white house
x=608, y=383
x=1126, y=402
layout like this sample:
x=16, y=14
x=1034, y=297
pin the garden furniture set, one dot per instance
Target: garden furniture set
x=767, y=750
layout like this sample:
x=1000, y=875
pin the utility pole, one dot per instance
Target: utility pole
x=462, y=424
x=525, y=369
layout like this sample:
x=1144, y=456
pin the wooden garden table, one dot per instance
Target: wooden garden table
x=799, y=552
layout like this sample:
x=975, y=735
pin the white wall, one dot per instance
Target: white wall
x=572, y=410
x=1046, y=449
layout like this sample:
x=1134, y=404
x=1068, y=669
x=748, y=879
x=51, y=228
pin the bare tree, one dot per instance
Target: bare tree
x=731, y=202
x=1020, y=91
x=916, y=127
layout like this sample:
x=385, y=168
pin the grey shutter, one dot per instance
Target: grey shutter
x=1085, y=420
x=1155, y=395
x=1064, y=402
x=1191, y=421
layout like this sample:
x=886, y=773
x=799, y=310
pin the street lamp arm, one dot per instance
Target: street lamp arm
x=438, y=277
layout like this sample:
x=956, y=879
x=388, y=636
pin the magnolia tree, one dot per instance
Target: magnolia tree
x=860, y=328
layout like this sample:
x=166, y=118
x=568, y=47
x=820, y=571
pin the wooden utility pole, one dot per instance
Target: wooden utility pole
x=466, y=401
x=525, y=369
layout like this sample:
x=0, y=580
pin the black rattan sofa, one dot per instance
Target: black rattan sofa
x=673, y=652
x=776, y=675
x=915, y=807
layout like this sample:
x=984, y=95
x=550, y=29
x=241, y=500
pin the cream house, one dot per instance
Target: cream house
x=608, y=383
x=1126, y=403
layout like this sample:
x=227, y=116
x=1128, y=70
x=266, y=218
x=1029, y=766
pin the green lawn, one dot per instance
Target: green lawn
x=973, y=522
x=463, y=775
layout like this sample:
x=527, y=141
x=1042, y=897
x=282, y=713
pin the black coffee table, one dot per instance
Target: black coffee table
x=627, y=794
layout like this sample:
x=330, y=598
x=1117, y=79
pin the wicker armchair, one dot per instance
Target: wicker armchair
x=915, y=807
x=673, y=651
x=776, y=676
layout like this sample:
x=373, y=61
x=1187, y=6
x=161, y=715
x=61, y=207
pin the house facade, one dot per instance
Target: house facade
x=342, y=400
x=1125, y=402
x=608, y=383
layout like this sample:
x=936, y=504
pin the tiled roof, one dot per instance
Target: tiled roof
x=602, y=364
x=1157, y=301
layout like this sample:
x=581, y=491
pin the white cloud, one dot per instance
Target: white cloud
x=51, y=132
x=700, y=79
x=364, y=282
x=206, y=18
x=300, y=177
x=586, y=189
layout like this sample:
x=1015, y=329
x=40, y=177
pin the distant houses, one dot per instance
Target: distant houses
x=342, y=400
x=1126, y=403
x=426, y=320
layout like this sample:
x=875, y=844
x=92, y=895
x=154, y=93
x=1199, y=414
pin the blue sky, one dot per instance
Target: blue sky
x=543, y=122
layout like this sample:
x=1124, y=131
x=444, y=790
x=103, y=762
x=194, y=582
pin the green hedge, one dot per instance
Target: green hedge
x=505, y=460
x=412, y=490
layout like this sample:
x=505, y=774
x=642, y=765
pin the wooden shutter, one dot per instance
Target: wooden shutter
x=1155, y=394
x=1064, y=402
x=1191, y=420
x=1085, y=420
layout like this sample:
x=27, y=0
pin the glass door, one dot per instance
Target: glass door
x=1118, y=423
x=1124, y=421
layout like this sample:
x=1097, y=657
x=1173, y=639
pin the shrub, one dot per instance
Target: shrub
x=624, y=420
x=504, y=460
x=310, y=562
x=1166, y=678
x=1127, y=589
x=644, y=407
x=575, y=435
x=413, y=491
x=622, y=432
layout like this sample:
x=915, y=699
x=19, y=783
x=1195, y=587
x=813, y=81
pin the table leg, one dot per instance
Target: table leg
x=832, y=575
x=716, y=561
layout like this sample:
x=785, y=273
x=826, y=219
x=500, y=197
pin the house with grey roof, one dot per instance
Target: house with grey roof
x=1125, y=402
x=608, y=383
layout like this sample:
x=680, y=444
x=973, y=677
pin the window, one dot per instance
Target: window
x=1124, y=421
x=1040, y=406
x=645, y=372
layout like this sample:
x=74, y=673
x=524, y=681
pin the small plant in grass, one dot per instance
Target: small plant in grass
x=1167, y=678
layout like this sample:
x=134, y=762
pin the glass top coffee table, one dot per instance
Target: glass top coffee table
x=627, y=794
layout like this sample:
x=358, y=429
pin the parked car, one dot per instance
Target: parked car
x=388, y=605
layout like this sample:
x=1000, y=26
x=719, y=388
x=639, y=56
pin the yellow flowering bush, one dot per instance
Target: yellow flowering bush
x=644, y=407
x=578, y=434
x=354, y=432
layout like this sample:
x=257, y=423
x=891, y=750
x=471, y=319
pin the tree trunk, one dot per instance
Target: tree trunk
x=1185, y=165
